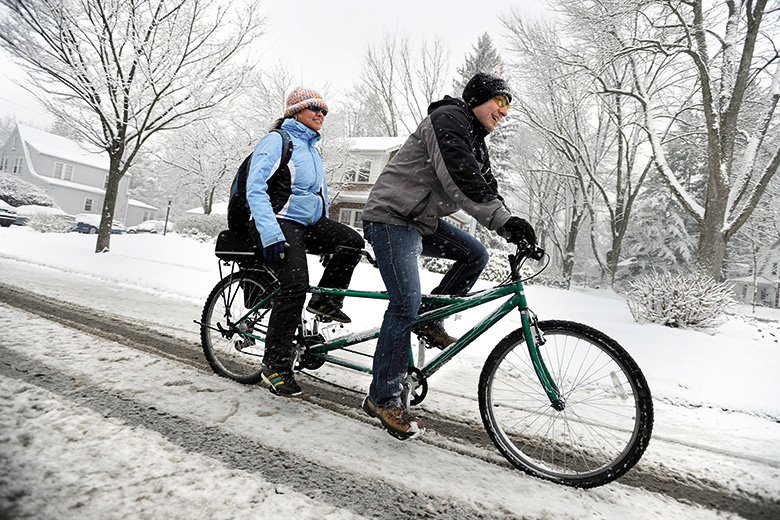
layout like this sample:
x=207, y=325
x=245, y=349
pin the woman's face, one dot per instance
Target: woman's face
x=312, y=117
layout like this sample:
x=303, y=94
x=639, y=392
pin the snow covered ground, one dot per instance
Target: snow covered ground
x=715, y=392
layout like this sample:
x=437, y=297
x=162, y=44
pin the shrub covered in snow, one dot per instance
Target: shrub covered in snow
x=202, y=227
x=50, y=223
x=17, y=192
x=674, y=300
x=496, y=270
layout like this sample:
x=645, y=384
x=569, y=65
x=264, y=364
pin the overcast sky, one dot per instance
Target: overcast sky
x=324, y=42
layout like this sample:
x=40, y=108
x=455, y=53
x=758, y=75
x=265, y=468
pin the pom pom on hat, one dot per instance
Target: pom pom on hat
x=301, y=98
x=484, y=86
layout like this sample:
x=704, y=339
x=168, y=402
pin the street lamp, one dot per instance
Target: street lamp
x=167, y=214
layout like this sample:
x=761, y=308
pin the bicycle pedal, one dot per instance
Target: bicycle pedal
x=428, y=342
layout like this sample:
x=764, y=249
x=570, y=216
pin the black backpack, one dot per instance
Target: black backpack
x=238, y=213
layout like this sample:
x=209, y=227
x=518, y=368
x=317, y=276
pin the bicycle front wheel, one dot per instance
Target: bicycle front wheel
x=605, y=420
x=232, y=330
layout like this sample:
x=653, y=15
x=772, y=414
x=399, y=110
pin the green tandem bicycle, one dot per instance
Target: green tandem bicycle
x=560, y=400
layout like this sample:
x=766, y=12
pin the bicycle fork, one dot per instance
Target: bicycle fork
x=534, y=339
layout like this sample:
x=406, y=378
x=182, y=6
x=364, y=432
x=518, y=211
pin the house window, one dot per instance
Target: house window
x=105, y=183
x=4, y=164
x=17, y=165
x=774, y=268
x=88, y=204
x=351, y=217
x=364, y=171
x=13, y=144
x=361, y=175
x=63, y=171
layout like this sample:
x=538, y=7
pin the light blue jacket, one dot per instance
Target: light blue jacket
x=299, y=192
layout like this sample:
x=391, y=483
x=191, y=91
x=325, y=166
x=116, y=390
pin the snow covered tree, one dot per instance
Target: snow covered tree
x=484, y=58
x=380, y=79
x=423, y=76
x=750, y=249
x=202, y=158
x=595, y=134
x=199, y=161
x=714, y=58
x=7, y=125
x=397, y=84
x=119, y=72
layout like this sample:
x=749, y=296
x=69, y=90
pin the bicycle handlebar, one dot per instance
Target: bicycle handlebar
x=524, y=250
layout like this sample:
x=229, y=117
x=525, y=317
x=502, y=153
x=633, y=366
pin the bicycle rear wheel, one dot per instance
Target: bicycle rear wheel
x=606, y=419
x=232, y=337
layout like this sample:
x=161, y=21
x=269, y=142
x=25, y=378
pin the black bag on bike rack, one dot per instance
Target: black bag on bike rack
x=236, y=247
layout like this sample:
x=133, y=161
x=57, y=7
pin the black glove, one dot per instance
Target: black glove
x=274, y=252
x=516, y=230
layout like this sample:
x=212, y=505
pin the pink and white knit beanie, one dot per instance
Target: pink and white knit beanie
x=301, y=98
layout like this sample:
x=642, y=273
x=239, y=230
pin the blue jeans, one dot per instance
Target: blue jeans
x=396, y=249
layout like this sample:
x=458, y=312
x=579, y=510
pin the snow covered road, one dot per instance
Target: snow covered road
x=98, y=423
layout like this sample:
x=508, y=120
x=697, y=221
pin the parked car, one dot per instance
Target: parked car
x=150, y=226
x=24, y=213
x=7, y=214
x=90, y=222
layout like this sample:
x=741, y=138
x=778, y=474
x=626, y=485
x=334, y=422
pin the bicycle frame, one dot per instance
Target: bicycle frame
x=588, y=426
x=451, y=306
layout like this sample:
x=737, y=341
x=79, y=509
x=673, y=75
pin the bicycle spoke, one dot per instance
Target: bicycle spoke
x=233, y=332
x=606, y=416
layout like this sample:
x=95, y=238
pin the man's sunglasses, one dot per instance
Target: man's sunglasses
x=316, y=109
x=501, y=101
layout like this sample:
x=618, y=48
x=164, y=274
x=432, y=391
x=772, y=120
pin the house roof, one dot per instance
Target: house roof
x=63, y=148
x=760, y=280
x=375, y=144
x=139, y=204
x=218, y=208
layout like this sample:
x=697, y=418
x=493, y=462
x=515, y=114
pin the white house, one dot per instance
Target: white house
x=72, y=174
x=373, y=153
x=766, y=283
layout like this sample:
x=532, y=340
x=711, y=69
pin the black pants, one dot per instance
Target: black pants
x=320, y=238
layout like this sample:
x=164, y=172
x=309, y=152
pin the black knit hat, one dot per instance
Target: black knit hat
x=484, y=86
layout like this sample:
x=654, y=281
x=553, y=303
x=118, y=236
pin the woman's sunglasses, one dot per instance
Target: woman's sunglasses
x=316, y=109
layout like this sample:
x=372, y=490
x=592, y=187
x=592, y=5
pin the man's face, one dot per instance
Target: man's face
x=489, y=113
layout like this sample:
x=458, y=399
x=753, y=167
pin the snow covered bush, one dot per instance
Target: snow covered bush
x=435, y=265
x=674, y=300
x=496, y=270
x=50, y=223
x=201, y=227
x=17, y=192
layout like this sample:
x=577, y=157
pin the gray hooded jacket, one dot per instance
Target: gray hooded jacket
x=443, y=166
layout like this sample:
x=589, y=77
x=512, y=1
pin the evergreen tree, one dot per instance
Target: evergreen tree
x=485, y=58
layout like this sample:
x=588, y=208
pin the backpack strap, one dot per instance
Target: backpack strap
x=286, y=147
x=239, y=214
